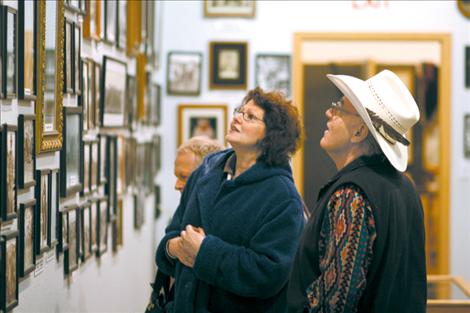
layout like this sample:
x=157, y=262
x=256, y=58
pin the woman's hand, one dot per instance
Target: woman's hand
x=191, y=240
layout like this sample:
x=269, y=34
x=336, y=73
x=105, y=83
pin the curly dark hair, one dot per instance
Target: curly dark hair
x=284, y=131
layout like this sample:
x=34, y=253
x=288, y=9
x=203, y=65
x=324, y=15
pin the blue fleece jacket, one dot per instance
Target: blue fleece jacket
x=252, y=224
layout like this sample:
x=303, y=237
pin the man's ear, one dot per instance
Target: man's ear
x=360, y=134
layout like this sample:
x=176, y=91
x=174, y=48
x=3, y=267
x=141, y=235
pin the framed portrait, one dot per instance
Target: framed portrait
x=9, y=271
x=51, y=57
x=94, y=161
x=8, y=18
x=157, y=202
x=71, y=254
x=71, y=155
x=184, y=73
x=464, y=7
x=466, y=136
x=43, y=210
x=77, y=69
x=8, y=181
x=27, y=51
x=26, y=151
x=110, y=20
x=202, y=120
x=26, y=255
x=113, y=100
x=85, y=167
x=228, y=65
x=217, y=8
x=85, y=232
x=467, y=66
x=122, y=25
x=102, y=162
x=273, y=72
x=102, y=226
x=94, y=211
x=68, y=56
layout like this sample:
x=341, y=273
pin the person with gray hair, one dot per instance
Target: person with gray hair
x=190, y=155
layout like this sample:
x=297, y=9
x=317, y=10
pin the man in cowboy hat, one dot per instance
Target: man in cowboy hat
x=363, y=247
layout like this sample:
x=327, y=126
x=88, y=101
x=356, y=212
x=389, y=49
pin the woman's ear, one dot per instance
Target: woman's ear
x=360, y=134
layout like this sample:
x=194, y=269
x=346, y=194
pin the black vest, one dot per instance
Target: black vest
x=396, y=280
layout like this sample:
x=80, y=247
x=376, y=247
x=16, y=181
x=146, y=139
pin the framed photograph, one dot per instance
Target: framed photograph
x=110, y=20
x=43, y=211
x=62, y=230
x=71, y=155
x=54, y=183
x=27, y=257
x=464, y=7
x=217, y=8
x=51, y=54
x=71, y=254
x=131, y=105
x=27, y=52
x=466, y=136
x=26, y=151
x=85, y=232
x=85, y=167
x=154, y=100
x=121, y=162
x=228, y=65
x=9, y=37
x=102, y=156
x=111, y=174
x=86, y=98
x=94, y=211
x=9, y=271
x=94, y=160
x=102, y=226
x=113, y=101
x=273, y=72
x=122, y=25
x=202, y=120
x=69, y=56
x=8, y=159
x=96, y=102
x=77, y=68
x=120, y=223
x=184, y=73
x=467, y=66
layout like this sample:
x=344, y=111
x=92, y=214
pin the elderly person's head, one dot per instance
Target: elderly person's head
x=190, y=155
x=372, y=118
x=268, y=124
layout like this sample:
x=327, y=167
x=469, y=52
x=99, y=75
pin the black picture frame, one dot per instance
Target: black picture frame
x=8, y=172
x=27, y=49
x=70, y=155
x=54, y=182
x=184, y=73
x=77, y=61
x=273, y=72
x=9, y=54
x=85, y=168
x=71, y=254
x=110, y=21
x=467, y=66
x=26, y=150
x=102, y=226
x=111, y=174
x=113, y=91
x=228, y=65
x=62, y=231
x=9, y=270
x=43, y=194
x=102, y=155
x=85, y=231
x=26, y=226
x=69, y=56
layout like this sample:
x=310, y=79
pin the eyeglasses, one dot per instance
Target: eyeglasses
x=338, y=107
x=248, y=117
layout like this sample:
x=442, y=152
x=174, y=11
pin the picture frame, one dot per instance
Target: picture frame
x=243, y=8
x=77, y=68
x=111, y=174
x=54, y=183
x=9, y=52
x=110, y=21
x=156, y=153
x=69, y=56
x=85, y=231
x=8, y=172
x=71, y=156
x=467, y=66
x=464, y=7
x=466, y=136
x=96, y=103
x=102, y=226
x=26, y=251
x=9, y=271
x=86, y=98
x=141, y=76
x=184, y=73
x=113, y=100
x=94, y=211
x=157, y=201
x=120, y=166
x=273, y=72
x=103, y=160
x=228, y=65
x=122, y=24
x=94, y=164
x=85, y=168
x=50, y=71
x=26, y=151
x=71, y=255
x=43, y=192
x=73, y=5
x=120, y=222
x=130, y=164
x=62, y=231
x=27, y=49
x=92, y=20
x=131, y=106
x=202, y=120
x=154, y=103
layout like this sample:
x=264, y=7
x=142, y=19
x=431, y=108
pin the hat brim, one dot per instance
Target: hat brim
x=358, y=93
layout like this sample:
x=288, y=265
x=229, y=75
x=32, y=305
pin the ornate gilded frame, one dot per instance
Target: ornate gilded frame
x=51, y=140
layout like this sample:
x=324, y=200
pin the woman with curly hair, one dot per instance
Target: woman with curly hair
x=233, y=237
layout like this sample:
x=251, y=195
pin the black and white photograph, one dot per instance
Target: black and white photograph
x=228, y=65
x=8, y=158
x=110, y=19
x=131, y=105
x=26, y=150
x=71, y=157
x=27, y=30
x=62, y=230
x=184, y=73
x=8, y=271
x=26, y=254
x=43, y=209
x=273, y=72
x=113, y=98
x=229, y=8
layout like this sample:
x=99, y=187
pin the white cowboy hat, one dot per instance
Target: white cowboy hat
x=387, y=108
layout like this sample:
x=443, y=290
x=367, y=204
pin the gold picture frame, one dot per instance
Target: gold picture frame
x=49, y=138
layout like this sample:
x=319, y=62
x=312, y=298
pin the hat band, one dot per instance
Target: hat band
x=387, y=131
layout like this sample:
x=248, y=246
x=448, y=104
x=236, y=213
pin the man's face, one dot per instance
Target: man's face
x=186, y=162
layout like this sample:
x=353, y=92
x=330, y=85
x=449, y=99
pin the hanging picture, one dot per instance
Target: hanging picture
x=27, y=52
x=96, y=102
x=94, y=160
x=68, y=56
x=26, y=151
x=8, y=271
x=131, y=105
x=122, y=25
x=228, y=65
x=8, y=18
x=273, y=72
x=92, y=20
x=113, y=99
x=26, y=255
x=62, y=230
x=94, y=225
x=154, y=100
x=110, y=20
x=202, y=120
x=102, y=226
x=77, y=69
x=43, y=210
x=184, y=73
x=8, y=159
x=102, y=178
x=85, y=167
x=85, y=232
x=241, y=8
x=466, y=136
x=71, y=254
x=467, y=67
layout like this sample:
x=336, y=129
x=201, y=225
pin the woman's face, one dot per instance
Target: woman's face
x=247, y=127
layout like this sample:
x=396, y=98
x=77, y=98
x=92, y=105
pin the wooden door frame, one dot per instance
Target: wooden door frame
x=444, y=111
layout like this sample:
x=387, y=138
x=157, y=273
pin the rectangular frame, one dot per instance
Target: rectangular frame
x=184, y=73
x=26, y=151
x=228, y=65
x=27, y=49
x=8, y=172
x=243, y=8
x=94, y=210
x=43, y=192
x=85, y=231
x=122, y=25
x=273, y=72
x=103, y=160
x=111, y=174
x=69, y=56
x=154, y=92
x=9, y=271
x=9, y=51
x=102, y=226
x=110, y=21
x=26, y=226
x=87, y=96
x=96, y=102
x=202, y=120
x=466, y=136
x=467, y=66
x=113, y=91
x=85, y=168
x=71, y=255
x=77, y=61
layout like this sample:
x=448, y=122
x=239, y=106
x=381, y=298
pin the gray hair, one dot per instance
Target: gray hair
x=370, y=146
x=201, y=146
